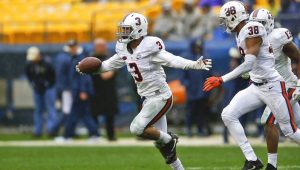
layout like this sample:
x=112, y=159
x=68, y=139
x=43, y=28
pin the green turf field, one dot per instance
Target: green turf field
x=132, y=158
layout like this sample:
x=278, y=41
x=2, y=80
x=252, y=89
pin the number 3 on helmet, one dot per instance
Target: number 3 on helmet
x=231, y=14
x=133, y=26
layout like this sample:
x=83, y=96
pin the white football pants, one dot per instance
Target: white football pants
x=272, y=94
x=153, y=113
x=268, y=118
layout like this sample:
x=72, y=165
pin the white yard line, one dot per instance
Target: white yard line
x=290, y=167
x=183, y=141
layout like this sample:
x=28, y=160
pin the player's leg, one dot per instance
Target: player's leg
x=153, y=109
x=278, y=101
x=143, y=125
x=168, y=150
x=243, y=102
x=272, y=137
x=296, y=112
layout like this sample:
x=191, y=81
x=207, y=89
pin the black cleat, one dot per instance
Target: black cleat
x=253, y=165
x=270, y=167
x=169, y=150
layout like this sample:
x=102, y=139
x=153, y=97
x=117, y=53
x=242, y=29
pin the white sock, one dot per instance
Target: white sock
x=177, y=165
x=164, y=137
x=272, y=159
x=248, y=151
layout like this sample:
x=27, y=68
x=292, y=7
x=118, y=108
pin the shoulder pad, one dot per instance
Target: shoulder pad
x=152, y=45
x=281, y=35
x=253, y=29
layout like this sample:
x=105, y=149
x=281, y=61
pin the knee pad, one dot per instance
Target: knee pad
x=295, y=136
x=136, y=128
x=286, y=130
x=227, y=119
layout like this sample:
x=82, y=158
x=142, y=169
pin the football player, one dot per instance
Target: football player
x=284, y=50
x=144, y=57
x=267, y=85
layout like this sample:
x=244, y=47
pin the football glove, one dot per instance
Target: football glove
x=211, y=83
x=296, y=94
x=78, y=70
x=245, y=75
x=203, y=64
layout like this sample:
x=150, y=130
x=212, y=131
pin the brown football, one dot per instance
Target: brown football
x=89, y=65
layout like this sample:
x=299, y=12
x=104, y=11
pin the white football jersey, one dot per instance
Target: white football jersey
x=150, y=78
x=145, y=65
x=278, y=38
x=264, y=67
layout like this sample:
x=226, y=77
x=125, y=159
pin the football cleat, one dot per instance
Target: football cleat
x=270, y=167
x=168, y=150
x=253, y=165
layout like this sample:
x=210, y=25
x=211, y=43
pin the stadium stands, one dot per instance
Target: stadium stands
x=56, y=21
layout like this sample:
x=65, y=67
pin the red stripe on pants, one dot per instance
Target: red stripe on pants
x=162, y=112
x=294, y=127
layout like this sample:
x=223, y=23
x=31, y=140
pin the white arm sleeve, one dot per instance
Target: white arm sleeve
x=246, y=66
x=113, y=63
x=168, y=59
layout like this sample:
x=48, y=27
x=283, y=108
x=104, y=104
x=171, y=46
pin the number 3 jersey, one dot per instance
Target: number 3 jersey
x=264, y=67
x=145, y=65
x=278, y=38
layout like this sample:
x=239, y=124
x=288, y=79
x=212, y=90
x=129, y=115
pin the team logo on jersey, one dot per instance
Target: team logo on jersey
x=124, y=58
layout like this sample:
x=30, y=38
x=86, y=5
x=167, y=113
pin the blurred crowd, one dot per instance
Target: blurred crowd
x=189, y=23
x=81, y=98
x=84, y=98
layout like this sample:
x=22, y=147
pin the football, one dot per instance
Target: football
x=89, y=65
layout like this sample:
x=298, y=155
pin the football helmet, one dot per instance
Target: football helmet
x=133, y=26
x=264, y=17
x=231, y=14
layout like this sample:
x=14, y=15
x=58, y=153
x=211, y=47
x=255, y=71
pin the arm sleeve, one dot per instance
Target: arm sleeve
x=168, y=59
x=113, y=63
x=246, y=66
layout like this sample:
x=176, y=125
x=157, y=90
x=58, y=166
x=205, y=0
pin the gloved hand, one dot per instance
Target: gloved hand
x=296, y=94
x=211, y=83
x=203, y=64
x=245, y=75
x=78, y=70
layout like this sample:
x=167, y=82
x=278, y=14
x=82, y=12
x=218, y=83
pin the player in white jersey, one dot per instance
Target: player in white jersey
x=144, y=57
x=267, y=85
x=284, y=50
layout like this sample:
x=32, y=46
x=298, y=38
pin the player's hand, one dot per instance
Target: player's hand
x=205, y=64
x=211, y=83
x=296, y=94
x=78, y=70
x=245, y=76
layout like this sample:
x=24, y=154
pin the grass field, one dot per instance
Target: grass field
x=132, y=158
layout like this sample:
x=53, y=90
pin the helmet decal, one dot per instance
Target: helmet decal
x=255, y=13
x=138, y=21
